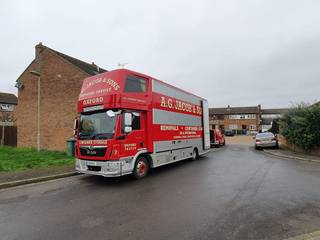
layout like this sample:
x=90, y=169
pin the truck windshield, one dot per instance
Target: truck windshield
x=96, y=125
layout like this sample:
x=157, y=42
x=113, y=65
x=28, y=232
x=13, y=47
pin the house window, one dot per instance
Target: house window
x=6, y=107
x=233, y=126
x=252, y=127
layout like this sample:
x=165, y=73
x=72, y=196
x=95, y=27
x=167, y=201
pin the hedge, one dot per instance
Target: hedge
x=301, y=126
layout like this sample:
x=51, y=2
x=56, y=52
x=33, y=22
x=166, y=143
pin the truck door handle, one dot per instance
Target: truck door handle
x=121, y=137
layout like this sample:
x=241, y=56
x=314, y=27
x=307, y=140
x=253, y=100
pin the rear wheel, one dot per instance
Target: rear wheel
x=141, y=168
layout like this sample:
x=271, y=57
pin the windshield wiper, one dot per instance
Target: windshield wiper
x=85, y=135
x=102, y=135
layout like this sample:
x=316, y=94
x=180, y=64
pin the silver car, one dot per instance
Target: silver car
x=266, y=139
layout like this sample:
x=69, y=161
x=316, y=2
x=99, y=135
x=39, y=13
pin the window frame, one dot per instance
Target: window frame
x=122, y=120
x=138, y=77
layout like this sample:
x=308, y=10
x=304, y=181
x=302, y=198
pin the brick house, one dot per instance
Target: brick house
x=8, y=130
x=241, y=119
x=244, y=119
x=8, y=102
x=60, y=78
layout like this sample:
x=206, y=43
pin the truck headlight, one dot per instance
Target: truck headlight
x=77, y=163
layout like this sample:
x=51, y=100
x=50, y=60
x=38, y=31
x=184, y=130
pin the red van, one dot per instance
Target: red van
x=216, y=138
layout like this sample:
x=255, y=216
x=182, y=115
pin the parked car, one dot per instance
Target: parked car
x=266, y=139
x=229, y=133
x=216, y=138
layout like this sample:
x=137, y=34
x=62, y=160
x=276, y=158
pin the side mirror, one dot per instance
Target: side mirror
x=75, y=127
x=128, y=119
x=111, y=113
x=127, y=129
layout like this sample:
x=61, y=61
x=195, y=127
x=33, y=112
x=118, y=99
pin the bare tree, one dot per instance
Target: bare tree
x=7, y=117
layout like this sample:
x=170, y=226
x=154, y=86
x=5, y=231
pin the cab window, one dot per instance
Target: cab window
x=135, y=84
x=136, y=121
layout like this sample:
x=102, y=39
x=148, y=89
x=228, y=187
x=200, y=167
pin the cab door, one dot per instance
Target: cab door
x=133, y=139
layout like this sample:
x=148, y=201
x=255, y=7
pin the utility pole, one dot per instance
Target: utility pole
x=35, y=73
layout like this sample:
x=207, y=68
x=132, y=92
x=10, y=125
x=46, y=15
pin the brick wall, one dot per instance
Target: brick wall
x=239, y=122
x=60, y=87
x=284, y=144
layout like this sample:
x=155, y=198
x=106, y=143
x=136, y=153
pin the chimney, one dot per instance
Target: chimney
x=259, y=108
x=39, y=49
x=96, y=66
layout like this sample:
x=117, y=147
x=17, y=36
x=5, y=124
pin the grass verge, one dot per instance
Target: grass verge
x=13, y=159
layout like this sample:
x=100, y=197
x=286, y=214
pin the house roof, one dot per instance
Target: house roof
x=91, y=69
x=8, y=98
x=234, y=110
x=274, y=110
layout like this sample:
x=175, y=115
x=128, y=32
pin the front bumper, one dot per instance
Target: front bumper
x=105, y=168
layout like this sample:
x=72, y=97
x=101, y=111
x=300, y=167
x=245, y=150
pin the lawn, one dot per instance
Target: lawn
x=12, y=159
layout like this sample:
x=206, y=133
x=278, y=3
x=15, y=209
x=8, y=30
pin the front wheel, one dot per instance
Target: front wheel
x=141, y=168
x=195, y=154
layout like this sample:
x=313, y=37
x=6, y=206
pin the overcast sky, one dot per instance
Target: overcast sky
x=237, y=52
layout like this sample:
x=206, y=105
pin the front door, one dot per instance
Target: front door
x=133, y=141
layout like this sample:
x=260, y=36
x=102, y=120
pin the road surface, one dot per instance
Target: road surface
x=234, y=193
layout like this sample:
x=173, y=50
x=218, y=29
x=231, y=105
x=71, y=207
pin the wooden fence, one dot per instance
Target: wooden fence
x=9, y=138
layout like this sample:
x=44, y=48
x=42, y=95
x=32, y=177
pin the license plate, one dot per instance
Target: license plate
x=91, y=163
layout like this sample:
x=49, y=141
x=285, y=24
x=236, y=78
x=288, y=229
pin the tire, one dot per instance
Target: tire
x=141, y=168
x=257, y=148
x=195, y=154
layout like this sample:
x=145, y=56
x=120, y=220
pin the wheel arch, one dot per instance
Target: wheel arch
x=145, y=154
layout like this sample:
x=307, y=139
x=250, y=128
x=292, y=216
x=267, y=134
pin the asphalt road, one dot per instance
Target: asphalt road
x=234, y=193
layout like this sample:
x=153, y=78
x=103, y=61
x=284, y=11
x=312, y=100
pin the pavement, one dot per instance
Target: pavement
x=308, y=236
x=283, y=153
x=240, y=140
x=233, y=193
x=10, y=179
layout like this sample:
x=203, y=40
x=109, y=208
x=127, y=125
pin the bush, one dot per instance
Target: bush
x=301, y=126
x=275, y=126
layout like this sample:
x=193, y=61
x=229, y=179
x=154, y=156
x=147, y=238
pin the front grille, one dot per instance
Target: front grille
x=91, y=151
x=94, y=168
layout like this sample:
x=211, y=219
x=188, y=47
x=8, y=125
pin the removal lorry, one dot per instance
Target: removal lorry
x=129, y=123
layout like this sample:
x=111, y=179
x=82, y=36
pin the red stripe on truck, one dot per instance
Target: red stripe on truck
x=175, y=105
x=163, y=132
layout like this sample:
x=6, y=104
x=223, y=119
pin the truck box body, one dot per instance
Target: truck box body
x=167, y=124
